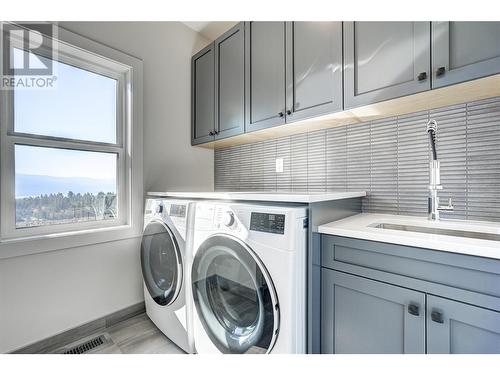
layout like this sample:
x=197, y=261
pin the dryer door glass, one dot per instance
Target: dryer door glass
x=161, y=263
x=234, y=296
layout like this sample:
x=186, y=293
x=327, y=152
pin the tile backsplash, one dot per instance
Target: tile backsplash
x=387, y=158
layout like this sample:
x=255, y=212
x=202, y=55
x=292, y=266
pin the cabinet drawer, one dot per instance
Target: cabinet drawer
x=471, y=273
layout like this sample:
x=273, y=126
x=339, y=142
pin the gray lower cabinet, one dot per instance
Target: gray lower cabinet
x=202, y=96
x=359, y=315
x=264, y=74
x=385, y=60
x=458, y=328
x=314, y=69
x=463, y=51
x=386, y=298
x=230, y=82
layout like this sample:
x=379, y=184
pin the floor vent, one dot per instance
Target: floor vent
x=87, y=345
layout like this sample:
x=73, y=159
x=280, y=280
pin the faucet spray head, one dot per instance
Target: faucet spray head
x=432, y=130
x=432, y=126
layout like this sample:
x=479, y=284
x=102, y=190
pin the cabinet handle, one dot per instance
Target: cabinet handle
x=288, y=112
x=216, y=132
x=414, y=309
x=211, y=133
x=422, y=76
x=440, y=71
x=281, y=114
x=437, y=316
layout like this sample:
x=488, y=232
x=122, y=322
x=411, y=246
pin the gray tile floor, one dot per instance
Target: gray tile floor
x=137, y=335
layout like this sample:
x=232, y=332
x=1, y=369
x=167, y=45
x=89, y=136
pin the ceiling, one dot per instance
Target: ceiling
x=210, y=30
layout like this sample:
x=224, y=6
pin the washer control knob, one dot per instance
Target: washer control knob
x=228, y=219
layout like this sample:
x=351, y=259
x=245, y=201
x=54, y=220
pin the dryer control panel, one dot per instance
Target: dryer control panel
x=178, y=210
x=266, y=222
x=225, y=218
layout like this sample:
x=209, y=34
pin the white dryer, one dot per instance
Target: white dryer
x=248, y=278
x=165, y=252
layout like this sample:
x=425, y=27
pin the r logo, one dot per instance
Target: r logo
x=28, y=49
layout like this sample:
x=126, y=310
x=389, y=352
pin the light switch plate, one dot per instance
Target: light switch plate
x=279, y=165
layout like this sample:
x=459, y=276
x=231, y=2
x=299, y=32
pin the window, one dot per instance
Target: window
x=66, y=151
x=82, y=106
x=79, y=187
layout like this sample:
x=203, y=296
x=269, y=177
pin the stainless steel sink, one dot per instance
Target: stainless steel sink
x=440, y=231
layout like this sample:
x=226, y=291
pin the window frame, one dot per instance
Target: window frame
x=91, y=56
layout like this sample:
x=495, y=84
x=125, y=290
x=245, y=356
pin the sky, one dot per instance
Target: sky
x=81, y=106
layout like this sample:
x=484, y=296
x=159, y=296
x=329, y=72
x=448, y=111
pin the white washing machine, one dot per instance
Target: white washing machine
x=249, y=278
x=165, y=254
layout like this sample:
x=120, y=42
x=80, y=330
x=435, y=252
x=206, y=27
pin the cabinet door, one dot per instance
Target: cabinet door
x=385, y=60
x=230, y=82
x=202, y=96
x=462, y=51
x=459, y=328
x=265, y=74
x=314, y=69
x=363, y=316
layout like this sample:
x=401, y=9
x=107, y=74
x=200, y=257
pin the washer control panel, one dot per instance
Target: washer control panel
x=266, y=222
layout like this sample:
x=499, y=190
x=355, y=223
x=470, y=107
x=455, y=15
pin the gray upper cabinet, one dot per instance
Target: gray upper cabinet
x=314, y=69
x=462, y=51
x=230, y=83
x=458, y=328
x=202, y=96
x=385, y=60
x=264, y=74
x=363, y=316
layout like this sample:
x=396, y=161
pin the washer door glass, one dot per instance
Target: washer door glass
x=234, y=296
x=161, y=263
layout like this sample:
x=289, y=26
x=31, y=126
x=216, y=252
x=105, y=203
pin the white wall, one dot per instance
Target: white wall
x=166, y=49
x=44, y=294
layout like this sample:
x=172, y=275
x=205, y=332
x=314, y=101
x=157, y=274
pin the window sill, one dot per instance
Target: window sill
x=10, y=248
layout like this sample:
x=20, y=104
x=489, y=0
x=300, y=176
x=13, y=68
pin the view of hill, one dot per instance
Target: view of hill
x=34, y=185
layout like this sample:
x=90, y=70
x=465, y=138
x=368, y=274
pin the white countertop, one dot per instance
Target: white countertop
x=360, y=226
x=264, y=196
